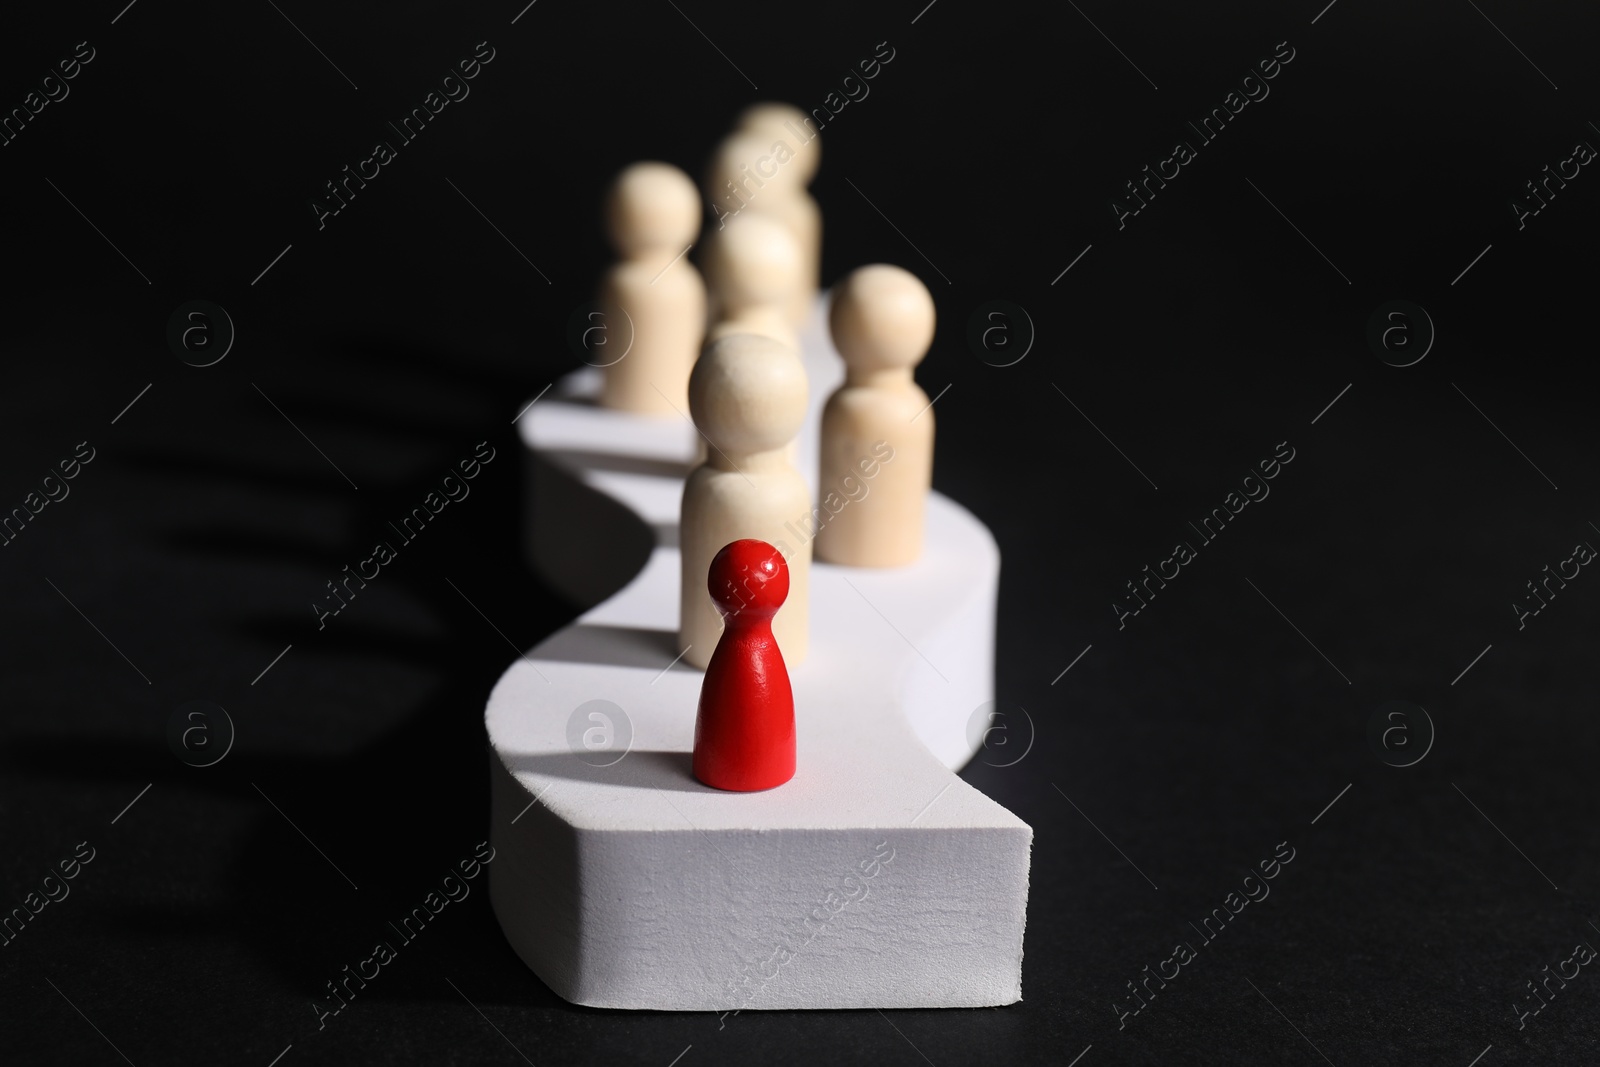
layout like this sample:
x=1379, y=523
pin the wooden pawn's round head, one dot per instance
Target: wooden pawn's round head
x=881, y=318
x=652, y=207
x=747, y=394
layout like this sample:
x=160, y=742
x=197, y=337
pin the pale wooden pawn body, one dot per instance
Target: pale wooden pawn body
x=753, y=266
x=876, y=463
x=764, y=167
x=653, y=300
x=747, y=394
x=803, y=218
x=795, y=207
x=876, y=470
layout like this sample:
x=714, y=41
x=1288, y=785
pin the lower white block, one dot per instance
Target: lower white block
x=875, y=878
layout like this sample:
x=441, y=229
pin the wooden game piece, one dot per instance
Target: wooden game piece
x=764, y=166
x=877, y=428
x=744, y=736
x=786, y=122
x=753, y=265
x=795, y=129
x=653, y=300
x=747, y=396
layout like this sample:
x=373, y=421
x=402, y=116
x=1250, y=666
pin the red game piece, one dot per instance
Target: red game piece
x=744, y=732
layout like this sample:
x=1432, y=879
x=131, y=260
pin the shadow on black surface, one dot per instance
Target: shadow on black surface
x=293, y=834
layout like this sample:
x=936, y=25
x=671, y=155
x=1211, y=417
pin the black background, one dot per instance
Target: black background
x=1197, y=338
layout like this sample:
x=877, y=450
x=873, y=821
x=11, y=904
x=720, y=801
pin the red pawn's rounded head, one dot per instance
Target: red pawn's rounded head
x=748, y=577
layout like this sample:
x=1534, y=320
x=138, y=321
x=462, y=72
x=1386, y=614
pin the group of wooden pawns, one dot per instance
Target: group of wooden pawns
x=730, y=357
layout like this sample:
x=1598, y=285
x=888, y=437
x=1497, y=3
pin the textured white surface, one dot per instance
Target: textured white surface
x=875, y=878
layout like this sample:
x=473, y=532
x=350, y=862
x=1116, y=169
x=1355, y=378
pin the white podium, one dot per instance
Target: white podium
x=874, y=878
